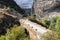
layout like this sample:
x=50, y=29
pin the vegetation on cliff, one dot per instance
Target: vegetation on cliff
x=54, y=26
x=10, y=28
x=15, y=33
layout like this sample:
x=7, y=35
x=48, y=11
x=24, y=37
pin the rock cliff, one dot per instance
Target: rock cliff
x=6, y=20
x=43, y=8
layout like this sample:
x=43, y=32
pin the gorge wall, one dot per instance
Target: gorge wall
x=44, y=8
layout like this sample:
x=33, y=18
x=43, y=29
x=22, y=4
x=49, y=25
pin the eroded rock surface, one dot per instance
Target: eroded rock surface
x=43, y=8
x=7, y=20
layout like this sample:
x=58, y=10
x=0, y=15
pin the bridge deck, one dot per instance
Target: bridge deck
x=34, y=28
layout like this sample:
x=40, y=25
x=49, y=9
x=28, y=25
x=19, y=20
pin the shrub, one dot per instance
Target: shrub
x=50, y=36
x=55, y=28
x=15, y=33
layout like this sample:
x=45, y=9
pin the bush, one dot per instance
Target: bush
x=50, y=36
x=45, y=22
x=55, y=28
x=15, y=33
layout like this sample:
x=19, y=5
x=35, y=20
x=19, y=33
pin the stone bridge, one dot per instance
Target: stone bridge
x=35, y=30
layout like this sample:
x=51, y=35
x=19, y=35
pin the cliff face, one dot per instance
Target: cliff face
x=12, y=4
x=6, y=20
x=43, y=8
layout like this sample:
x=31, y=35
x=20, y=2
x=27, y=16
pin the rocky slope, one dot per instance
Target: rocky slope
x=43, y=8
x=7, y=19
x=12, y=4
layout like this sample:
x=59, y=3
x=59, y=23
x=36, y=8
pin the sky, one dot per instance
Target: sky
x=25, y=4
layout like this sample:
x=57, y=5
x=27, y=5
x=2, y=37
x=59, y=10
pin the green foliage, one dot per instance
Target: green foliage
x=15, y=33
x=45, y=22
x=55, y=28
x=33, y=16
x=50, y=36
